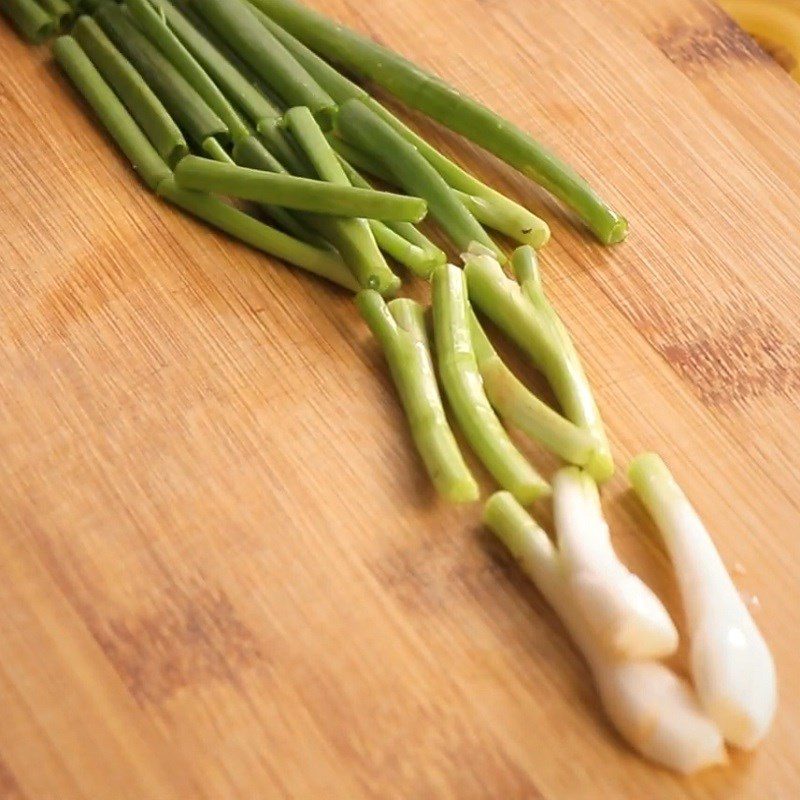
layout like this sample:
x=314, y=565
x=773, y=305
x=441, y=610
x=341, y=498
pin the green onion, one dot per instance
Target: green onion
x=131, y=88
x=60, y=10
x=732, y=667
x=225, y=74
x=251, y=152
x=651, y=707
x=509, y=219
x=156, y=29
x=461, y=379
x=184, y=104
x=429, y=94
x=352, y=237
x=237, y=84
x=400, y=328
x=30, y=19
x=119, y=123
x=487, y=205
x=157, y=175
x=518, y=406
x=215, y=150
x=422, y=255
x=356, y=249
x=324, y=263
x=238, y=26
x=360, y=160
x=363, y=128
x=524, y=314
x=288, y=191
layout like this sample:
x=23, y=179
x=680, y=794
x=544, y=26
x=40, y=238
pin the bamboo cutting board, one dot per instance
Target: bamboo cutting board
x=222, y=572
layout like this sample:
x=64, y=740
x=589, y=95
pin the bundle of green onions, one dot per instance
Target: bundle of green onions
x=216, y=99
x=213, y=99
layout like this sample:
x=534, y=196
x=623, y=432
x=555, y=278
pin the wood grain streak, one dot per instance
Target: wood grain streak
x=222, y=573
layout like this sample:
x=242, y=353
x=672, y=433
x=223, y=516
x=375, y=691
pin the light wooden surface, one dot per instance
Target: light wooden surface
x=222, y=574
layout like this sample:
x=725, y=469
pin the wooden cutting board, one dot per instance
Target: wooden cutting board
x=222, y=571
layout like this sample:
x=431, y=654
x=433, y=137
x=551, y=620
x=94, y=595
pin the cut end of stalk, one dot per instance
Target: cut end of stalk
x=42, y=32
x=537, y=237
x=326, y=118
x=180, y=151
x=385, y=285
x=600, y=465
x=533, y=489
x=647, y=467
x=617, y=233
x=460, y=491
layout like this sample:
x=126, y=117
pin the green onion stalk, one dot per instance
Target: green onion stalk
x=235, y=22
x=180, y=99
x=435, y=98
x=30, y=19
x=519, y=407
x=489, y=206
x=132, y=89
x=461, y=379
x=351, y=237
x=304, y=194
x=236, y=86
x=400, y=329
x=521, y=310
x=404, y=242
x=156, y=174
x=358, y=124
x=155, y=27
x=252, y=152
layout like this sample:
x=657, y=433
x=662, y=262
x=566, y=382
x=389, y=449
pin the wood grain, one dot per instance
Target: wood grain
x=222, y=574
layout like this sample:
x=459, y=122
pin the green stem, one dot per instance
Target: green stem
x=519, y=532
x=235, y=81
x=226, y=75
x=60, y=10
x=363, y=128
x=519, y=407
x=156, y=29
x=429, y=94
x=185, y=105
x=239, y=27
x=301, y=128
x=360, y=160
x=323, y=263
x=430, y=255
x=131, y=88
x=352, y=237
x=304, y=194
x=524, y=314
x=488, y=207
x=400, y=329
x=494, y=209
x=215, y=150
x=277, y=140
x=111, y=112
x=30, y=19
x=353, y=247
x=251, y=152
x=461, y=379
x=509, y=219
x=401, y=250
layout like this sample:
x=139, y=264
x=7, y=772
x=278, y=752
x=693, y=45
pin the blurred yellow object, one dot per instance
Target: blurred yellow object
x=775, y=24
